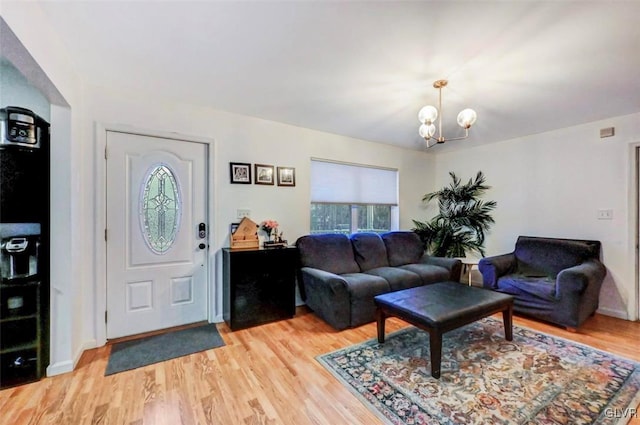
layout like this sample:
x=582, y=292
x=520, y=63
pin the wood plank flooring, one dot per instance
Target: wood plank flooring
x=264, y=375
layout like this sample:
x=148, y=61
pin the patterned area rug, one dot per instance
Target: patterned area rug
x=534, y=379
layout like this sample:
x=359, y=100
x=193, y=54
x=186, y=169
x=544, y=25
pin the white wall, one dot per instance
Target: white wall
x=552, y=184
x=244, y=139
x=30, y=42
x=15, y=90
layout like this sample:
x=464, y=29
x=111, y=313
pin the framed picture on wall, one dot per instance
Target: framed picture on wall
x=240, y=172
x=264, y=174
x=286, y=176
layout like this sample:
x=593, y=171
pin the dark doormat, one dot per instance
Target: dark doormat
x=158, y=348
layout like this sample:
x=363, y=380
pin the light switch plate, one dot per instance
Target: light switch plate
x=243, y=212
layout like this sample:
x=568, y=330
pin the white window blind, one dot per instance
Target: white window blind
x=340, y=183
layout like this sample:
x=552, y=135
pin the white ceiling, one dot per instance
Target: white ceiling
x=364, y=69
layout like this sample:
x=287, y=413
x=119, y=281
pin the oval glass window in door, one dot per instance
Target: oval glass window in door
x=160, y=208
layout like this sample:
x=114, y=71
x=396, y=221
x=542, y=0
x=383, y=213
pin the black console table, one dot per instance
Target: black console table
x=259, y=285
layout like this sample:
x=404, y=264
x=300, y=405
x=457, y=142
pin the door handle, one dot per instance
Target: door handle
x=202, y=246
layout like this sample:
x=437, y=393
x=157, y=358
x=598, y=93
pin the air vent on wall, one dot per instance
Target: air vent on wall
x=607, y=132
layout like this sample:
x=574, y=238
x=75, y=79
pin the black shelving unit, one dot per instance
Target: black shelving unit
x=259, y=285
x=24, y=233
x=21, y=342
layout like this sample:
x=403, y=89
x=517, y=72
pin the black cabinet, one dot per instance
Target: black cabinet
x=21, y=335
x=259, y=285
x=24, y=246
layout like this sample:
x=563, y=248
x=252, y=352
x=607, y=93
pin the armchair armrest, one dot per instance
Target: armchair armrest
x=494, y=267
x=576, y=279
x=452, y=264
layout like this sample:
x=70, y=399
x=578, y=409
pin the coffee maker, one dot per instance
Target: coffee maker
x=19, y=251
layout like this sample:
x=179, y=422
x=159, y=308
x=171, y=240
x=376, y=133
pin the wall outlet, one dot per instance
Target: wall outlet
x=242, y=213
x=605, y=214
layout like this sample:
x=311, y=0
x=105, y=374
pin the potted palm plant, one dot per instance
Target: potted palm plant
x=462, y=221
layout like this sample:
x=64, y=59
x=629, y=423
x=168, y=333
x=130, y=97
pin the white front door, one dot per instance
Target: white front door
x=156, y=256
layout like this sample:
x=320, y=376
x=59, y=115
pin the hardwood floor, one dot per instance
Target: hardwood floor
x=264, y=375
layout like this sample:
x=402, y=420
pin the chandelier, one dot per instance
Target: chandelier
x=429, y=114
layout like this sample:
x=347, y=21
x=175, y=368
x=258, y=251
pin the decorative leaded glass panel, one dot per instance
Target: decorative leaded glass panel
x=160, y=208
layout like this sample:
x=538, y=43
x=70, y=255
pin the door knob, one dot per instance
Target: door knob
x=202, y=246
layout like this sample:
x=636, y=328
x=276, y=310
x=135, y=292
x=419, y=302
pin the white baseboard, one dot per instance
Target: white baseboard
x=620, y=314
x=59, y=368
x=87, y=345
x=68, y=366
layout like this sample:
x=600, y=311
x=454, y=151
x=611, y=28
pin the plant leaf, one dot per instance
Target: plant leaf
x=462, y=220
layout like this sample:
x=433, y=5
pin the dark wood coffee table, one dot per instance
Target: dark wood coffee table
x=440, y=308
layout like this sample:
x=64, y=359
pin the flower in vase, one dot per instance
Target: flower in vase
x=268, y=226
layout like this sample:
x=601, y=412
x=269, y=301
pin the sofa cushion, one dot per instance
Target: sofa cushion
x=528, y=287
x=538, y=257
x=428, y=272
x=329, y=252
x=397, y=277
x=365, y=286
x=369, y=251
x=403, y=247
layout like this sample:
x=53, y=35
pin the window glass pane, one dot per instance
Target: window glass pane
x=374, y=218
x=336, y=218
x=330, y=218
x=160, y=209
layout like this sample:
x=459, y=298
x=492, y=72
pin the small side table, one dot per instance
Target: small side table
x=468, y=264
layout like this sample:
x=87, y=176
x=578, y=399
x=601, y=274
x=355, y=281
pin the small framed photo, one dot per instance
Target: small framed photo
x=264, y=174
x=240, y=172
x=286, y=176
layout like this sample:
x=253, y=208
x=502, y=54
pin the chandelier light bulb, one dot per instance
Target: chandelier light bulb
x=466, y=118
x=427, y=131
x=428, y=115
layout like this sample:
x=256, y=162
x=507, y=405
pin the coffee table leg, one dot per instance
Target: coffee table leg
x=380, y=317
x=507, y=319
x=435, y=341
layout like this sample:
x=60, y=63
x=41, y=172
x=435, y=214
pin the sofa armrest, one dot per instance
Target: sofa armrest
x=494, y=267
x=327, y=294
x=576, y=279
x=317, y=277
x=452, y=264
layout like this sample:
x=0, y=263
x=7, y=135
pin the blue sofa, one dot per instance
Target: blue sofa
x=340, y=275
x=556, y=280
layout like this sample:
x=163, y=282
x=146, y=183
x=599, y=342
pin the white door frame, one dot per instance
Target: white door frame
x=633, y=310
x=101, y=219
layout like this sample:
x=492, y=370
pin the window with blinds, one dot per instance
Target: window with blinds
x=350, y=198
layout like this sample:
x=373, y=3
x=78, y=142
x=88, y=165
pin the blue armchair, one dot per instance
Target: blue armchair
x=556, y=280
